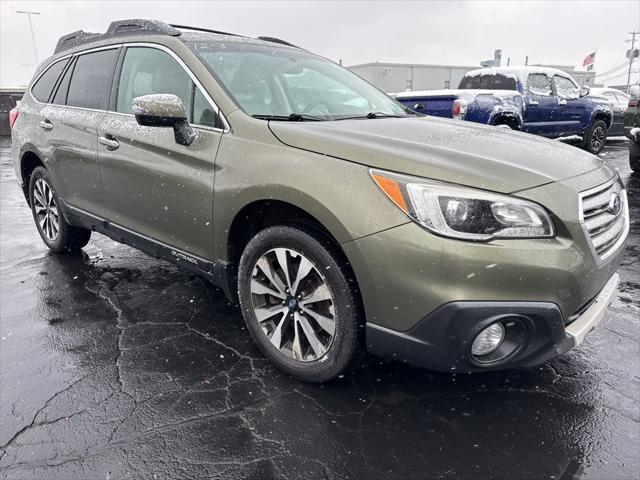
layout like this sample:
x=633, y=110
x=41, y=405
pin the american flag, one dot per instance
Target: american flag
x=589, y=59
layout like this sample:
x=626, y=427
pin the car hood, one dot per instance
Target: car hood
x=491, y=158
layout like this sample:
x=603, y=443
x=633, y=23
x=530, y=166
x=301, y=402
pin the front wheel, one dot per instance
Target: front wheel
x=298, y=302
x=595, y=138
x=54, y=230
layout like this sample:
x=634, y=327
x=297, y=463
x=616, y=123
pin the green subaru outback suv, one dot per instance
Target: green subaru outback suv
x=335, y=217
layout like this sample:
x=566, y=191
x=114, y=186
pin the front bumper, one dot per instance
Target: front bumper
x=442, y=340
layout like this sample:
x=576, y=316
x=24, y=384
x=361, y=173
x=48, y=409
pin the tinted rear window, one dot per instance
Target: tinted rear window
x=41, y=90
x=488, y=82
x=90, y=85
x=60, y=97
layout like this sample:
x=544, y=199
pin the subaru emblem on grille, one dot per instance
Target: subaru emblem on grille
x=614, y=204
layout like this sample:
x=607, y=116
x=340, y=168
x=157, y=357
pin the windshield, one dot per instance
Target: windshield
x=488, y=82
x=270, y=81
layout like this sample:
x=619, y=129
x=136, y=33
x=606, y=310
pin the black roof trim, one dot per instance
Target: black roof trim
x=141, y=26
x=117, y=28
x=277, y=40
x=207, y=30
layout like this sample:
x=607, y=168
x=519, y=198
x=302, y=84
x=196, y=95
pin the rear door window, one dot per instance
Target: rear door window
x=90, y=85
x=60, y=97
x=41, y=90
x=539, y=84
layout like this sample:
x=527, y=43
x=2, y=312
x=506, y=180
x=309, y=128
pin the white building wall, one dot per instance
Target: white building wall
x=397, y=77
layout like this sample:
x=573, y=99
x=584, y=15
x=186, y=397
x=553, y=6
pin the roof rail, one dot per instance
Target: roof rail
x=119, y=27
x=200, y=29
x=277, y=40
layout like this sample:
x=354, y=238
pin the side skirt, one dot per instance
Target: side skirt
x=216, y=272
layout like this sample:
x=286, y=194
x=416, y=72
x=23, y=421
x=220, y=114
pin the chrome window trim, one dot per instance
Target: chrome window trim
x=33, y=97
x=194, y=125
x=227, y=127
x=625, y=214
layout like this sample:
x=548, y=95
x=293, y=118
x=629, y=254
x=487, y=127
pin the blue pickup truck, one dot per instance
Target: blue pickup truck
x=538, y=100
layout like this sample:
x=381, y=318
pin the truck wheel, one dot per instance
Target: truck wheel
x=595, y=138
x=634, y=163
x=298, y=303
x=54, y=230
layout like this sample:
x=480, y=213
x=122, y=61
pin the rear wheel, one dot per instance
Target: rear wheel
x=634, y=163
x=54, y=230
x=298, y=303
x=595, y=138
x=634, y=156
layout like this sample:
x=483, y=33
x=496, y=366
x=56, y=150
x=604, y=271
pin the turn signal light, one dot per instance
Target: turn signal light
x=393, y=190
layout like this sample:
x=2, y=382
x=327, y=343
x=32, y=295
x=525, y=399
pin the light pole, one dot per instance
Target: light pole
x=33, y=37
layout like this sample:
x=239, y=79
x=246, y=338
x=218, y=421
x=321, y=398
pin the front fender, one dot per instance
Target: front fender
x=339, y=194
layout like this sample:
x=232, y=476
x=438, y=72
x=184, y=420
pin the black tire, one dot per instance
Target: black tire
x=595, y=138
x=68, y=238
x=328, y=267
x=634, y=163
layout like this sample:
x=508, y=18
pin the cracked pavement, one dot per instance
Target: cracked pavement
x=116, y=365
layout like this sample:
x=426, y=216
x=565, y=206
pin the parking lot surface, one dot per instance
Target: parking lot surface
x=116, y=365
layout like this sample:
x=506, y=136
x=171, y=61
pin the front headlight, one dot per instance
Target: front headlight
x=465, y=213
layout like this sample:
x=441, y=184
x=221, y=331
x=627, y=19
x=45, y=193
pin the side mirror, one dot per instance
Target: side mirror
x=635, y=134
x=164, y=110
x=584, y=91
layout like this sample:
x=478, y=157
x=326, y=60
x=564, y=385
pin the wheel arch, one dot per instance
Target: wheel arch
x=509, y=118
x=603, y=113
x=30, y=159
x=262, y=212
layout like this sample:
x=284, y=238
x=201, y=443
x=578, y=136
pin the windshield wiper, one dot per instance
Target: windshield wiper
x=294, y=117
x=372, y=115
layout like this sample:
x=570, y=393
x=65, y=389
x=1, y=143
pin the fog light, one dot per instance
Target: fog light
x=488, y=340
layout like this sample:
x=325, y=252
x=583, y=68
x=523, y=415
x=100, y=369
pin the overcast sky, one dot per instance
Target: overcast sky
x=449, y=32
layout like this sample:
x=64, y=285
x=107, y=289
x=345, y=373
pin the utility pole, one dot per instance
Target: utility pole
x=632, y=56
x=33, y=37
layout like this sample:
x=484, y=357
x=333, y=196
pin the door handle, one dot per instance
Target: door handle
x=562, y=102
x=533, y=103
x=46, y=125
x=109, y=142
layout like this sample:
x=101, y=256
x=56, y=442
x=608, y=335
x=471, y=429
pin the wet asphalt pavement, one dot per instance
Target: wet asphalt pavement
x=116, y=365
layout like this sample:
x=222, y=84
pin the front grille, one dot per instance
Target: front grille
x=606, y=226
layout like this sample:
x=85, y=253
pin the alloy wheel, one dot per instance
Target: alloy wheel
x=293, y=304
x=597, y=138
x=46, y=210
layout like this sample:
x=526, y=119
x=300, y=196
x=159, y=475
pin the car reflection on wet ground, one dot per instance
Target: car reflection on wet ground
x=117, y=365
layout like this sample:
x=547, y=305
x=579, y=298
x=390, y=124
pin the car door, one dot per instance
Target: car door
x=617, y=101
x=155, y=187
x=78, y=105
x=540, y=105
x=571, y=107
